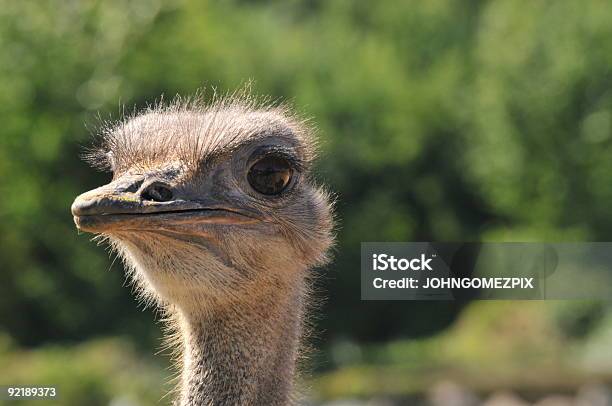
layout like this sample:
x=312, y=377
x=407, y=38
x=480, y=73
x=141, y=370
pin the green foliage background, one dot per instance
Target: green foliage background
x=440, y=120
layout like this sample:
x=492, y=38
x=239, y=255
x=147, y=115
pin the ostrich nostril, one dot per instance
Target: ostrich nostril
x=157, y=192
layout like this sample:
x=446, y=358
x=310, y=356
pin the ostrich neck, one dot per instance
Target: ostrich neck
x=242, y=353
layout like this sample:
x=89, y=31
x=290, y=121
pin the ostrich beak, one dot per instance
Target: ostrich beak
x=126, y=204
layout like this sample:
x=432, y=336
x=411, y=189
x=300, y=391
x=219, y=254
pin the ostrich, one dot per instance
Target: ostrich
x=214, y=214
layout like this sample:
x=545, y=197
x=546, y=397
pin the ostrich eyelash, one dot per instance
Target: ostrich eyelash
x=285, y=153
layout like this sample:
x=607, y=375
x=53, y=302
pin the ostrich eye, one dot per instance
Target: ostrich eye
x=270, y=175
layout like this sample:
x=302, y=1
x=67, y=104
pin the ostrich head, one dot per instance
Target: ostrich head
x=209, y=204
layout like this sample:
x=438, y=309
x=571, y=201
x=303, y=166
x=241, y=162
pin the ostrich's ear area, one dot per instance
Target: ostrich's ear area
x=137, y=202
